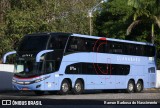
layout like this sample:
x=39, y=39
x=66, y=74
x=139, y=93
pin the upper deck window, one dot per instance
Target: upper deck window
x=81, y=44
x=33, y=43
x=57, y=42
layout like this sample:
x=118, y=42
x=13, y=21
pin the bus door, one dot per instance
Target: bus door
x=49, y=67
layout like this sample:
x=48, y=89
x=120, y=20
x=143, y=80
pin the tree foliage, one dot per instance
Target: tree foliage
x=114, y=19
x=134, y=16
x=111, y=19
x=147, y=10
x=20, y=17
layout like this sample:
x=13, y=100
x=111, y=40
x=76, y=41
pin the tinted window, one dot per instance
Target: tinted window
x=78, y=44
x=98, y=69
x=116, y=48
x=57, y=42
x=151, y=70
x=33, y=43
x=150, y=51
x=49, y=66
x=73, y=69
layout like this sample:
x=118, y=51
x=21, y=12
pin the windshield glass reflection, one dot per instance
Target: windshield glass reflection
x=28, y=68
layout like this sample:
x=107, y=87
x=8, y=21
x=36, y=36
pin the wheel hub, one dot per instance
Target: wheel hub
x=65, y=87
x=78, y=87
x=139, y=87
x=130, y=87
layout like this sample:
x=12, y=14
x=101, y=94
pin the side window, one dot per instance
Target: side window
x=137, y=52
x=53, y=43
x=89, y=69
x=115, y=47
x=73, y=69
x=109, y=47
x=104, y=69
x=132, y=49
x=98, y=69
x=141, y=50
x=125, y=49
x=90, y=43
x=151, y=51
x=114, y=69
x=80, y=44
x=151, y=70
x=49, y=66
x=100, y=46
x=72, y=44
x=57, y=42
x=120, y=69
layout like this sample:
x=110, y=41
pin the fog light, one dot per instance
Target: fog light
x=38, y=86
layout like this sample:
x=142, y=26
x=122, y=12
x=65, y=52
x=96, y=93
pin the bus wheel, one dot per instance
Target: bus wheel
x=139, y=86
x=65, y=87
x=39, y=93
x=78, y=87
x=130, y=86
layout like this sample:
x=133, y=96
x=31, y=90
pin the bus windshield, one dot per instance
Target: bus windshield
x=27, y=68
x=33, y=43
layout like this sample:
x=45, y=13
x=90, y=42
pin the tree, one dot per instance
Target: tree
x=114, y=19
x=148, y=8
x=24, y=17
x=118, y=15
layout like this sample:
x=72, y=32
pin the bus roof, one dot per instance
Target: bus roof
x=92, y=37
x=48, y=33
x=112, y=39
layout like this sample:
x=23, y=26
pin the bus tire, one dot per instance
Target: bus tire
x=130, y=86
x=139, y=87
x=78, y=87
x=39, y=93
x=65, y=87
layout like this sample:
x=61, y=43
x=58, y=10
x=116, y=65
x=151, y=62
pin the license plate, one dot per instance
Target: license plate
x=25, y=89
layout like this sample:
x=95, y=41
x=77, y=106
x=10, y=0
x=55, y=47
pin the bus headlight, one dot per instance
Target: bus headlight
x=29, y=82
x=40, y=79
x=13, y=80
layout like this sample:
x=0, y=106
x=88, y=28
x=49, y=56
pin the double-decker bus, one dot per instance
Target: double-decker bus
x=67, y=62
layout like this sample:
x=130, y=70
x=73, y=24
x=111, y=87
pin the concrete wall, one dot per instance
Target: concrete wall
x=158, y=79
x=6, y=74
x=7, y=67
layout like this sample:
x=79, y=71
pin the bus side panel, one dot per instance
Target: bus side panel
x=146, y=77
x=121, y=82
